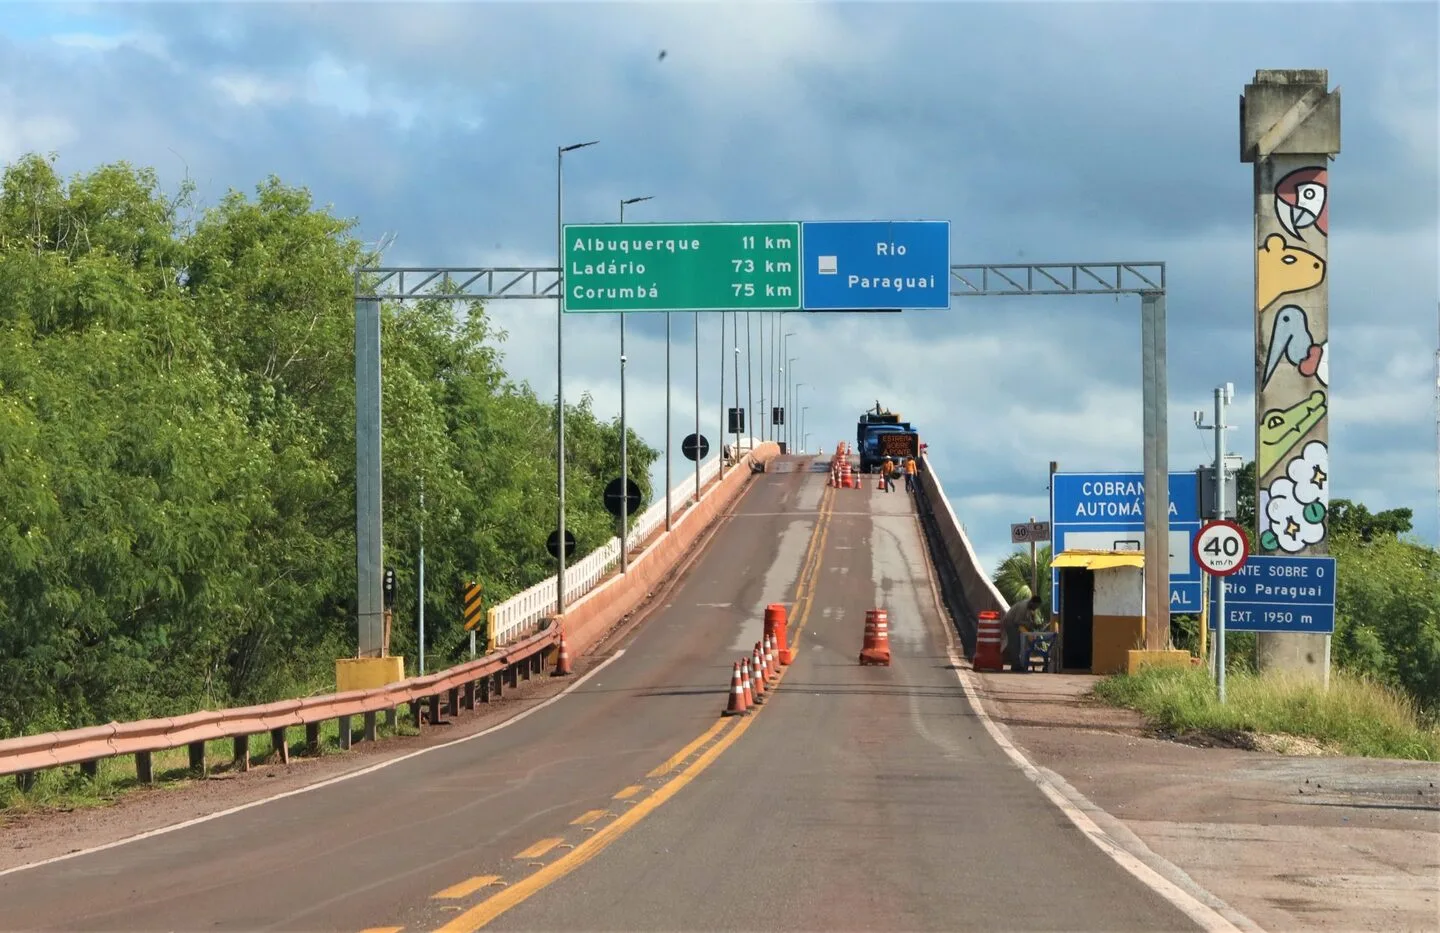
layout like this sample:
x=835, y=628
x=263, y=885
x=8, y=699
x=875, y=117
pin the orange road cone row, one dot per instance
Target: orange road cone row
x=876, y=649
x=737, y=705
x=745, y=682
x=562, y=659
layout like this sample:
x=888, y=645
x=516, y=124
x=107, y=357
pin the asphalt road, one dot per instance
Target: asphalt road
x=856, y=798
x=859, y=797
x=373, y=851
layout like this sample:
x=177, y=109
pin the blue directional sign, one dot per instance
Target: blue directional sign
x=1106, y=512
x=870, y=264
x=1278, y=593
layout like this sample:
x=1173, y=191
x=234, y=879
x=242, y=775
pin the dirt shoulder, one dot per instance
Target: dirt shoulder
x=1292, y=841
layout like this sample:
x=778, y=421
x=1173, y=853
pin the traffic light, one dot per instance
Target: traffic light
x=389, y=587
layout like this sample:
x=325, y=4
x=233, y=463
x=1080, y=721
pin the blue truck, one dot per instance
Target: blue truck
x=880, y=434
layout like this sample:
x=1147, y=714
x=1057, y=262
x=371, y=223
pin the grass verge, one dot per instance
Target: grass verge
x=1353, y=717
x=65, y=788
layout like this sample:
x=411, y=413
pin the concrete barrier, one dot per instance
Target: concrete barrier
x=589, y=619
x=964, y=582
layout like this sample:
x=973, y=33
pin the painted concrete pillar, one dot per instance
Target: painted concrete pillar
x=1289, y=130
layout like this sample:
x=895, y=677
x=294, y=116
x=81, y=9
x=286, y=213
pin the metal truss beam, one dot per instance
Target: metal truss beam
x=481, y=283
x=1058, y=278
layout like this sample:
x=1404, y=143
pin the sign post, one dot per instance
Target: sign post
x=1031, y=531
x=1221, y=549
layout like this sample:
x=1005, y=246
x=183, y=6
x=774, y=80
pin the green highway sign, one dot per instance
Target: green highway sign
x=682, y=267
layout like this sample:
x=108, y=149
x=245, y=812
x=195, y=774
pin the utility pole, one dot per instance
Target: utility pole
x=1224, y=395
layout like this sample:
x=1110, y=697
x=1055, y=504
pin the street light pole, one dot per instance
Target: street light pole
x=735, y=329
x=696, y=316
x=764, y=412
x=721, y=435
x=749, y=382
x=560, y=367
x=625, y=433
x=799, y=427
x=789, y=399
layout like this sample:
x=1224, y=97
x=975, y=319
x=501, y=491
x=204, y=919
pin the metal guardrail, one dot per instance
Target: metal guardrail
x=28, y=754
x=521, y=643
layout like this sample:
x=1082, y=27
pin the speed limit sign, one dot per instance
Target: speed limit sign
x=1221, y=547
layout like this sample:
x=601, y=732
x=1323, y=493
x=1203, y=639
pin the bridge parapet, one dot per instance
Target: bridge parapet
x=964, y=582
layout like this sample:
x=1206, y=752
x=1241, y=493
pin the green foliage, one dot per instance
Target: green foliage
x=177, y=513
x=1354, y=716
x=1016, y=572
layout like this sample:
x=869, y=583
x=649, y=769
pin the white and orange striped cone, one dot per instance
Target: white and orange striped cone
x=761, y=667
x=771, y=663
x=745, y=682
x=562, y=659
x=757, y=685
x=737, y=705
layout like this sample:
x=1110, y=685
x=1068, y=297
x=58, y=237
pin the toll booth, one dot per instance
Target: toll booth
x=1102, y=608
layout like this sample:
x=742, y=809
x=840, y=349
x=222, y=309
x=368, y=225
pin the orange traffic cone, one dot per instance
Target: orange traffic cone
x=762, y=667
x=771, y=662
x=775, y=628
x=737, y=705
x=987, y=642
x=876, y=649
x=757, y=682
x=745, y=682
x=562, y=659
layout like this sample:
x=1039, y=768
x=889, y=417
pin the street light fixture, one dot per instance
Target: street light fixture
x=560, y=366
x=625, y=434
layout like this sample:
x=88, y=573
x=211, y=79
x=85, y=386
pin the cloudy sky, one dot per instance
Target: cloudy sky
x=1071, y=132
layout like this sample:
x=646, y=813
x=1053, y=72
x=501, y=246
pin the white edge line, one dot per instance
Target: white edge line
x=325, y=783
x=1206, y=916
x=1069, y=800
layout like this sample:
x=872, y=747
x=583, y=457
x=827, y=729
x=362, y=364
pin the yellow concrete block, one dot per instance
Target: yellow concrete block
x=367, y=673
x=1173, y=657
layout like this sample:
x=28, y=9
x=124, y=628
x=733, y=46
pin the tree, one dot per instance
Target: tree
x=177, y=446
x=1012, y=577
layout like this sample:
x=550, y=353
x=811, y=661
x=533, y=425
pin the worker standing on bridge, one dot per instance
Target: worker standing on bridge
x=910, y=469
x=1016, y=617
x=887, y=473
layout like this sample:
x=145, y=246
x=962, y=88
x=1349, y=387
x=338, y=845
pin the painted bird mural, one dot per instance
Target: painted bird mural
x=1290, y=339
x=1300, y=202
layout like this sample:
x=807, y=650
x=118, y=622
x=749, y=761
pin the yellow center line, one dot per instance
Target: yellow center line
x=487, y=910
x=809, y=575
x=483, y=913
x=540, y=848
x=679, y=757
x=382, y=930
x=468, y=887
